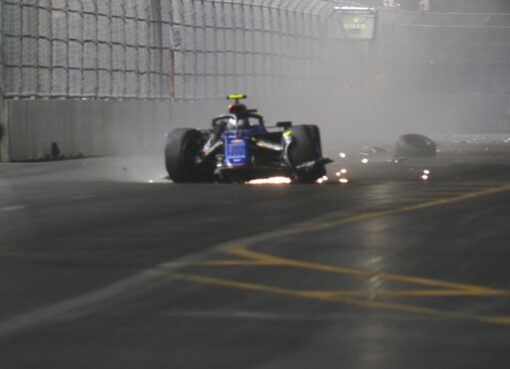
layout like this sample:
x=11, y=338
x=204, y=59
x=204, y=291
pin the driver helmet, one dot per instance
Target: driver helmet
x=240, y=111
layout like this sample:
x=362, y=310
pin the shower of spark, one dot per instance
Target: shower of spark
x=270, y=181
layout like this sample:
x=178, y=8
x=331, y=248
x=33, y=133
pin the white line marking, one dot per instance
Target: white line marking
x=13, y=208
x=237, y=314
x=255, y=315
x=65, y=309
x=79, y=305
x=81, y=197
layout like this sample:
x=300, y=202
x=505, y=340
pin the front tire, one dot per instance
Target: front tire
x=181, y=150
x=306, y=147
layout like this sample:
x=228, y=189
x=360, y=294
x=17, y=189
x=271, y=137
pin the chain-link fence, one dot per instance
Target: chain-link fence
x=193, y=49
x=445, y=69
x=446, y=54
x=158, y=48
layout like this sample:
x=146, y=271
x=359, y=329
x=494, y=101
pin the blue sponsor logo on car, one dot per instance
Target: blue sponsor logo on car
x=236, y=150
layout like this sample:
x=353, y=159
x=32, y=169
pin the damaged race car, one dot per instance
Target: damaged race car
x=239, y=148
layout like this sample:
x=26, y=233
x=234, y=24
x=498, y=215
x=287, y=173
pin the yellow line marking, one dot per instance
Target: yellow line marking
x=274, y=260
x=410, y=293
x=225, y=263
x=57, y=310
x=452, y=289
x=304, y=228
x=441, y=193
x=467, y=185
x=446, y=288
x=339, y=299
x=496, y=320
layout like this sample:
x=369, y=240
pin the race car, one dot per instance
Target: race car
x=239, y=147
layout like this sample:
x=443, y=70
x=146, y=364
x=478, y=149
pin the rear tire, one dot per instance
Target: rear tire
x=315, y=133
x=182, y=147
x=306, y=147
x=303, y=148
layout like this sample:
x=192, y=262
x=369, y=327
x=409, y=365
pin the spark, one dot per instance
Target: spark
x=270, y=181
x=322, y=180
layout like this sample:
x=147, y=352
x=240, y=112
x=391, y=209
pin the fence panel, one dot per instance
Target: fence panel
x=154, y=49
x=203, y=49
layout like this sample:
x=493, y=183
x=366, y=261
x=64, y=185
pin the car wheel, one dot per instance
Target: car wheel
x=305, y=147
x=181, y=149
x=315, y=134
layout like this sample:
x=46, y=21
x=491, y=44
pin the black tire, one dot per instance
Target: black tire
x=315, y=133
x=181, y=147
x=415, y=145
x=305, y=147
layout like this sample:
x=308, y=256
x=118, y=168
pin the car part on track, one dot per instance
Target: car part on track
x=415, y=145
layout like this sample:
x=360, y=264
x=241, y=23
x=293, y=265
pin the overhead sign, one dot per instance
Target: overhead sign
x=356, y=23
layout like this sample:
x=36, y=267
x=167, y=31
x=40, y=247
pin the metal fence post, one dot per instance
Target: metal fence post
x=171, y=54
x=2, y=92
x=4, y=116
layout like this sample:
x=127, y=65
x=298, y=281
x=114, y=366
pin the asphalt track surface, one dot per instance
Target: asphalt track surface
x=103, y=264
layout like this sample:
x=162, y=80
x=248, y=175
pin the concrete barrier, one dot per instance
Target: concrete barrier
x=95, y=128
x=98, y=128
x=4, y=131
